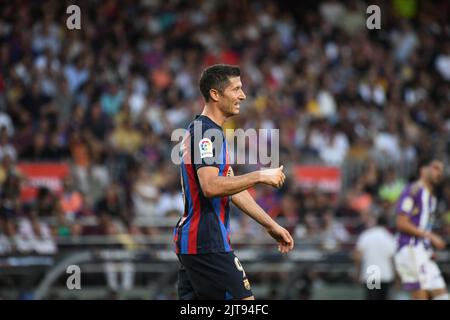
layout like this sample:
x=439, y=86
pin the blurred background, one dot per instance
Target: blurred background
x=86, y=118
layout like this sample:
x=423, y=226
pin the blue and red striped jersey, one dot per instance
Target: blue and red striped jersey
x=205, y=224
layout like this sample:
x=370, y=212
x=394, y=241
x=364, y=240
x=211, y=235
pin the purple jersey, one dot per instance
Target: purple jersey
x=419, y=204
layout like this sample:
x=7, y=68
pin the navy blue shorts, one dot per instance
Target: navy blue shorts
x=212, y=276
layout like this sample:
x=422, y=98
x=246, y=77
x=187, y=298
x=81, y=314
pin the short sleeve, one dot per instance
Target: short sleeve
x=207, y=147
x=405, y=204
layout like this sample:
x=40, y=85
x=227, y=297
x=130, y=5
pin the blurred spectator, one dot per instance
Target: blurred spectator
x=333, y=233
x=359, y=200
x=46, y=204
x=170, y=203
x=112, y=206
x=92, y=179
x=145, y=195
x=391, y=187
x=112, y=100
x=5, y=243
x=76, y=74
x=6, y=149
x=443, y=62
x=288, y=212
x=70, y=200
x=125, y=138
x=38, y=150
x=37, y=235
x=387, y=142
x=310, y=229
x=97, y=122
x=335, y=148
x=5, y=122
x=374, y=252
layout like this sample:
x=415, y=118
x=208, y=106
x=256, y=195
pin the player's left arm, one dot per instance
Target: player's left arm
x=244, y=201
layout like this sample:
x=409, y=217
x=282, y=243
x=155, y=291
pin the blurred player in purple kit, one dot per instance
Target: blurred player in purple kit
x=415, y=215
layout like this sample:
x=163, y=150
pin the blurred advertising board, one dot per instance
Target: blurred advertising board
x=36, y=175
x=323, y=178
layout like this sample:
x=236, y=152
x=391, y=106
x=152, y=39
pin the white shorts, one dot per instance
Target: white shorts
x=416, y=269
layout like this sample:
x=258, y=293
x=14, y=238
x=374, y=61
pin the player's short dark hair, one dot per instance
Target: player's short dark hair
x=217, y=77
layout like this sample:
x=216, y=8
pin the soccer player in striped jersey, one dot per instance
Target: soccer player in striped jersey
x=209, y=269
x=415, y=215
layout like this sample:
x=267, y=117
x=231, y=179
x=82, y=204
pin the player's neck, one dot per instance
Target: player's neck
x=426, y=184
x=214, y=114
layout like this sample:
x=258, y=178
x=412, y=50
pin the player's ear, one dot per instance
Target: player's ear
x=214, y=95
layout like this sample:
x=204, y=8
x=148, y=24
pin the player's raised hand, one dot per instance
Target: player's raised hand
x=283, y=237
x=273, y=177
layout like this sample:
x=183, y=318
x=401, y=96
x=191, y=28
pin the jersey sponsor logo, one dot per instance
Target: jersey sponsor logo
x=407, y=204
x=206, y=148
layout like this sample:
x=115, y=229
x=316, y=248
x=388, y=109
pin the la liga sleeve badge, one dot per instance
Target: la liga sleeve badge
x=407, y=204
x=206, y=148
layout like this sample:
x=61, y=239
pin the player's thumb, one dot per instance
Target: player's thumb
x=281, y=167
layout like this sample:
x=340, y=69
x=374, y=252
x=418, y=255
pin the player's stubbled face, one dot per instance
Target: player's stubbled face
x=436, y=172
x=232, y=96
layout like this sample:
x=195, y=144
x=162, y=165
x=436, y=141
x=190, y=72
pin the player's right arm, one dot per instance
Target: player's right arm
x=214, y=185
x=404, y=224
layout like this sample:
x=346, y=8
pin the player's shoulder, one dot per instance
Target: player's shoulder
x=413, y=188
x=364, y=235
x=369, y=233
x=202, y=123
x=363, y=239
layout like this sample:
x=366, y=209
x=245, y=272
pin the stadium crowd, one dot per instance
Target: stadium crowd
x=106, y=98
